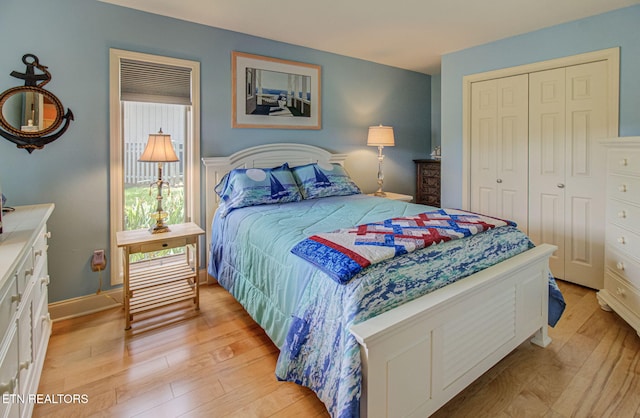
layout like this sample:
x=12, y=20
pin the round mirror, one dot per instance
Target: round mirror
x=30, y=111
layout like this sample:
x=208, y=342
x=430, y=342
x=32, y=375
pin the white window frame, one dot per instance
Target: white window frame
x=116, y=165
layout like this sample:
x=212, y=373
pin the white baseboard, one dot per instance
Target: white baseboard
x=85, y=305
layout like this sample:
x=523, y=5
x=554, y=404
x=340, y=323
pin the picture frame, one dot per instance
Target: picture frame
x=274, y=93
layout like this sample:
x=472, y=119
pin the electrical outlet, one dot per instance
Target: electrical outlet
x=98, y=260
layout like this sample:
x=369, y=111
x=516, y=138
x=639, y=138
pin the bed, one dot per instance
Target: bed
x=396, y=357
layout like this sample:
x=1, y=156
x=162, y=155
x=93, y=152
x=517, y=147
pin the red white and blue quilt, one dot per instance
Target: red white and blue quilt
x=345, y=252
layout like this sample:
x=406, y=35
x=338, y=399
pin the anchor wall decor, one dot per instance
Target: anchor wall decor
x=30, y=116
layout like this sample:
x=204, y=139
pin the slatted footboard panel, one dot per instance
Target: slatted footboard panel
x=420, y=355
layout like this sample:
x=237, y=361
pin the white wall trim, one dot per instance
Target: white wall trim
x=85, y=305
x=611, y=55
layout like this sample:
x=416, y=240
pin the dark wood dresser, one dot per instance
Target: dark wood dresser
x=428, y=182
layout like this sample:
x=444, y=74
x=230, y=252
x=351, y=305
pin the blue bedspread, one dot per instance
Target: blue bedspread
x=307, y=314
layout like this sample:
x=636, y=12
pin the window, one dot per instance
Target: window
x=149, y=93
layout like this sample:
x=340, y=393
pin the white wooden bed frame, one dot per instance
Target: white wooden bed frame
x=419, y=355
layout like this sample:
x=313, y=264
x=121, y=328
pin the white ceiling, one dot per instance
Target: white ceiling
x=409, y=34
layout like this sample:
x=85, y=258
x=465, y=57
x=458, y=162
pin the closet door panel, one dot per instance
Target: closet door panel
x=547, y=114
x=483, y=146
x=499, y=129
x=581, y=250
x=512, y=149
x=586, y=91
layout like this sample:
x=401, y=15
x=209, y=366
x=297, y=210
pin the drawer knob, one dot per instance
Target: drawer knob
x=620, y=291
x=45, y=280
x=622, y=214
x=38, y=253
x=623, y=162
x=620, y=265
x=24, y=365
x=47, y=234
x=622, y=188
x=16, y=298
x=621, y=240
x=560, y=186
x=28, y=272
x=499, y=181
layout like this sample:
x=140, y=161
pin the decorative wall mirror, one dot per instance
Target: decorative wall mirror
x=30, y=116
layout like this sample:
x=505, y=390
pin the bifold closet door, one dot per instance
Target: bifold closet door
x=567, y=117
x=499, y=162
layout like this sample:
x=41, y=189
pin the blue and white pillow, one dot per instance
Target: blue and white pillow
x=324, y=180
x=256, y=186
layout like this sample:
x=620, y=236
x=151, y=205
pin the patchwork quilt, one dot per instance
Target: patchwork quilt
x=344, y=253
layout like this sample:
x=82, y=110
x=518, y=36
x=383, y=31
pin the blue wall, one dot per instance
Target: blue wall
x=73, y=37
x=619, y=28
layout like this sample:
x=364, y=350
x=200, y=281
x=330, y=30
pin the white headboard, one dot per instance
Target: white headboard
x=261, y=156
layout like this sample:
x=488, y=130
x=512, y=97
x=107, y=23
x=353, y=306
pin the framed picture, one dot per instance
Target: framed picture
x=273, y=93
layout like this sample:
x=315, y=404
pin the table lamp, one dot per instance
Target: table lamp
x=380, y=136
x=159, y=150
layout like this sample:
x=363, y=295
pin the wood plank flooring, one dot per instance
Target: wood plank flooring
x=219, y=363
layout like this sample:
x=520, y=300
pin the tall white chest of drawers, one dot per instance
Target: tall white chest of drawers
x=24, y=312
x=622, y=245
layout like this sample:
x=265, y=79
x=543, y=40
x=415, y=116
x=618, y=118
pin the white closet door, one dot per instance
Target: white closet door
x=484, y=111
x=547, y=162
x=568, y=115
x=513, y=161
x=585, y=168
x=499, y=162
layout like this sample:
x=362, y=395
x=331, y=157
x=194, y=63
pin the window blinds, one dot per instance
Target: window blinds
x=142, y=81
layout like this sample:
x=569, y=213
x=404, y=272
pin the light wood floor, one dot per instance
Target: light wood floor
x=220, y=364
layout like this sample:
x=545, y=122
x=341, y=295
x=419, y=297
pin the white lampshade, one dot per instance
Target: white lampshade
x=159, y=149
x=381, y=136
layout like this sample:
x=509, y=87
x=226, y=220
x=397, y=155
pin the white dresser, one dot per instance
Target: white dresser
x=24, y=313
x=622, y=246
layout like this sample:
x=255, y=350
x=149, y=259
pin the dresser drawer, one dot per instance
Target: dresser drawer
x=624, y=214
x=623, y=240
x=625, y=161
x=159, y=245
x=25, y=340
x=41, y=324
x=9, y=300
x=622, y=291
x=9, y=364
x=40, y=247
x=24, y=274
x=624, y=188
x=623, y=265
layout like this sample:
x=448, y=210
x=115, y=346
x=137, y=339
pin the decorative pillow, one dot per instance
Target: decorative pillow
x=324, y=180
x=256, y=186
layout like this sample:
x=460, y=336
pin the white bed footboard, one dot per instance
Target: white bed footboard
x=420, y=355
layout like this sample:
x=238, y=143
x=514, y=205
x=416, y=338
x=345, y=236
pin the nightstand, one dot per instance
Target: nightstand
x=396, y=196
x=154, y=284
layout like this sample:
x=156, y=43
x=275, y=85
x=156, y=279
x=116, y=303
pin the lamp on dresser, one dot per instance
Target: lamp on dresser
x=380, y=136
x=159, y=150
